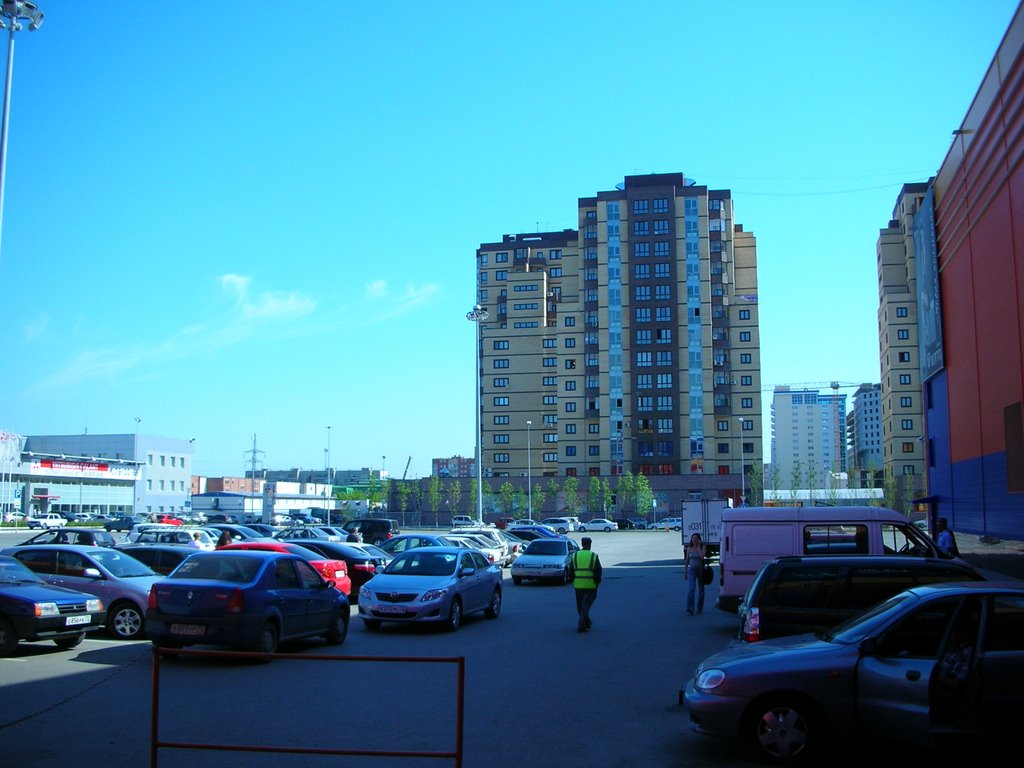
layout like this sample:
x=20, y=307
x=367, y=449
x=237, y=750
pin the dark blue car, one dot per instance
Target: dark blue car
x=245, y=599
x=31, y=609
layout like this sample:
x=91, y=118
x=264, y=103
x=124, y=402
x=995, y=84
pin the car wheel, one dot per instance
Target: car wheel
x=494, y=607
x=607, y=529
x=583, y=529
x=69, y=642
x=517, y=580
x=8, y=639
x=266, y=642
x=782, y=729
x=371, y=624
x=124, y=621
x=562, y=531
x=337, y=633
x=454, y=616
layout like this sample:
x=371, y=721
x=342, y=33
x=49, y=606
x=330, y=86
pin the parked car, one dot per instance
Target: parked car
x=32, y=610
x=374, y=530
x=379, y=555
x=545, y=560
x=598, y=524
x=117, y=578
x=516, y=545
x=182, y=536
x=625, y=524
x=238, y=532
x=96, y=537
x=667, y=524
x=432, y=584
x=531, y=532
x=882, y=676
x=138, y=530
x=330, y=568
x=249, y=600
x=522, y=522
x=124, y=523
x=504, y=522
x=263, y=529
x=493, y=552
x=560, y=524
x=220, y=517
x=793, y=595
x=398, y=544
x=462, y=521
x=309, y=532
x=362, y=565
x=495, y=537
x=47, y=520
x=161, y=558
x=169, y=519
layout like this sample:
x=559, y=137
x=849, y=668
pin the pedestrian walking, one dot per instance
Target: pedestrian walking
x=695, y=554
x=945, y=539
x=585, y=572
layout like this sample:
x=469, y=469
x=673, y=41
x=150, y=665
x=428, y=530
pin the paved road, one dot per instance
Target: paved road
x=537, y=692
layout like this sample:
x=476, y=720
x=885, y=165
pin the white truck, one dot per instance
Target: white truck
x=704, y=517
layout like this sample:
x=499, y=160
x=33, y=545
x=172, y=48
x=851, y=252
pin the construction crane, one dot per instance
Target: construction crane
x=406, y=472
x=833, y=385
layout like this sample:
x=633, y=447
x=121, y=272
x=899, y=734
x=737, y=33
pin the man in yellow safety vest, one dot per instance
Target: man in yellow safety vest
x=585, y=572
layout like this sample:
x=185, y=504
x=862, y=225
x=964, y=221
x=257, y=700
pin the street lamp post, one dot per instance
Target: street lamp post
x=138, y=464
x=478, y=315
x=12, y=14
x=327, y=474
x=529, y=470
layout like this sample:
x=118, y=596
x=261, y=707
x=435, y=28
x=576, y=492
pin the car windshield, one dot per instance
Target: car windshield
x=13, y=572
x=218, y=567
x=121, y=565
x=543, y=547
x=422, y=562
x=864, y=624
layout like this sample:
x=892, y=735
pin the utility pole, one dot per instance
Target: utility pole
x=254, y=460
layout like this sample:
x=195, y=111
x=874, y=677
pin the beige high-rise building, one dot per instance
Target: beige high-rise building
x=903, y=450
x=628, y=345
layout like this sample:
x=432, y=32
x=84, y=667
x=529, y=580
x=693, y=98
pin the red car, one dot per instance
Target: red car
x=169, y=520
x=329, y=568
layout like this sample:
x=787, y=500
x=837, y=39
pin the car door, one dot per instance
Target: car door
x=474, y=586
x=70, y=572
x=893, y=679
x=319, y=599
x=290, y=597
x=1000, y=668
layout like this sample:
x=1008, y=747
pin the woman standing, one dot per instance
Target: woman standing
x=694, y=570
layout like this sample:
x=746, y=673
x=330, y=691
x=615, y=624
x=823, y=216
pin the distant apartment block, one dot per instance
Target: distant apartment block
x=864, y=433
x=630, y=344
x=808, y=437
x=454, y=467
x=903, y=450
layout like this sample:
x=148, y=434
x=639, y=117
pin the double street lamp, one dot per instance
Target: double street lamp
x=478, y=315
x=12, y=15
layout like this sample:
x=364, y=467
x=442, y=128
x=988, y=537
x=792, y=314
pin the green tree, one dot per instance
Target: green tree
x=644, y=495
x=506, y=494
x=570, y=489
x=606, y=497
x=404, y=491
x=594, y=496
x=832, y=489
x=519, y=500
x=455, y=496
x=776, y=482
x=434, y=493
x=553, y=489
x=473, y=500
x=794, y=479
x=890, y=488
x=539, y=495
x=625, y=490
x=755, y=491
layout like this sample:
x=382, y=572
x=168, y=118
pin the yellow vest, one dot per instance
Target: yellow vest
x=584, y=571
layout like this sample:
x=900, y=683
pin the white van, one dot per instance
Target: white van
x=753, y=535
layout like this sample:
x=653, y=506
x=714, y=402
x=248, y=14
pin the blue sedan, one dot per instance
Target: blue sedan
x=432, y=584
x=246, y=599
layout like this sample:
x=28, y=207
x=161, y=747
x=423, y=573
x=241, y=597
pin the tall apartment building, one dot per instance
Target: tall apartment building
x=808, y=437
x=864, y=432
x=628, y=345
x=903, y=451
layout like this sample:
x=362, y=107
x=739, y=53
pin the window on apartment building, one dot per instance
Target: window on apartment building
x=549, y=343
x=549, y=362
x=570, y=364
x=664, y=381
x=662, y=269
x=641, y=228
x=570, y=429
x=663, y=314
x=747, y=402
x=903, y=334
x=570, y=407
x=901, y=312
x=570, y=450
x=906, y=424
x=501, y=438
x=590, y=232
x=643, y=359
x=904, y=378
x=908, y=469
x=907, y=447
x=906, y=402
x=748, y=425
x=664, y=402
x=661, y=249
x=500, y=344
x=550, y=419
x=570, y=385
x=500, y=401
x=661, y=205
x=149, y=485
x=723, y=448
x=570, y=342
x=661, y=226
x=641, y=250
x=639, y=206
x=744, y=314
x=665, y=426
x=904, y=357
x=744, y=335
x=501, y=257
x=664, y=358
x=594, y=429
x=500, y=382
x=501, y=458
x=662, y=292
x=570, y=321
x=550, y=457
x=746, y=381
x=745, y=358
x=644, y=381
x=550, y=437
x=501, y=420
x=500, y=362
x=549, y=381
x=645, y=403
x=641, y=271
x=748, y=447
x=642, y=315
x=642, y=293
x=643, y=336
x=550, y=399
x=722, y=425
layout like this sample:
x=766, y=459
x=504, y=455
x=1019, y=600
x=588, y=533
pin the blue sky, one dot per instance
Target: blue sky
x=236, y=223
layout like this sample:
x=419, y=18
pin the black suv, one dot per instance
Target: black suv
x=793, y=595
x=374, y=530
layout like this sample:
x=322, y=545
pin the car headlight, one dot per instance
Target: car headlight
x=710, y=679
x=365, y=592
x=47, y=609
x=94, y=606
x=433, y=594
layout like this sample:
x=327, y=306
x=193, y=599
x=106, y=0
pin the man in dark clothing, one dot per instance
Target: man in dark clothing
x=585, y=572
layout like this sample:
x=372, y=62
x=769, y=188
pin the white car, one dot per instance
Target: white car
x=545, y=560
x=48, y=520
x=667, y=524
x=598, y=524
x=485, y=546
x=492, y=535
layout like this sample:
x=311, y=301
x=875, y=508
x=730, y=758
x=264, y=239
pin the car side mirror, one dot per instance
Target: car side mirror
x=329, y=585
x=869, y=646
x=467, y=570
x=92, y=573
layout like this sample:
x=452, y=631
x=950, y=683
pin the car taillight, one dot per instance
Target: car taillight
x=367, y=566
x=152, y=597
x=236, y=603
x=751, y=630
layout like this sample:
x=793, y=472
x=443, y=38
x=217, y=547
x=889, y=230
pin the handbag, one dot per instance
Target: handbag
x=707, y=575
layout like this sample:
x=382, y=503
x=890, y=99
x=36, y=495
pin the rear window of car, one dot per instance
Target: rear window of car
x=219, y=567
x=545, y=547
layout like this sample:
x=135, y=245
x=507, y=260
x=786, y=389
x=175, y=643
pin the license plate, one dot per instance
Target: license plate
x=193, y=630
x=72, y=621
x=391, y=609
